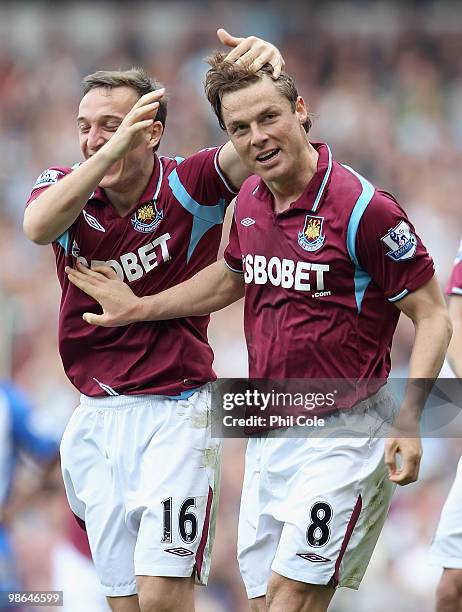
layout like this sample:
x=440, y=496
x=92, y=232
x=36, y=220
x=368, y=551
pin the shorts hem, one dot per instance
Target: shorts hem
x=120, y=591
x=305, y=576
x=164, y=572
x=279, y=568
x=174, y=573
x=259, y=591
x=446, y=562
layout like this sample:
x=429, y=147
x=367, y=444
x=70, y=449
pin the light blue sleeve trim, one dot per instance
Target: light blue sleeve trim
x=456, y=290
x=399, y=296
x=233, y=269
x=205, y=217
x=64, y=240
x=362, y=278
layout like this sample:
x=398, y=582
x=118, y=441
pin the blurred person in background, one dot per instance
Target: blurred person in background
x=149, y=513
x=446, y=549
x=19, y=432
x=73, y=571
x=317, y=251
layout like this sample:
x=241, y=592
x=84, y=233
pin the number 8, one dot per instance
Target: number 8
x=318, y=532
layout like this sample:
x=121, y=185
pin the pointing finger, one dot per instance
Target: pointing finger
x=226, y=39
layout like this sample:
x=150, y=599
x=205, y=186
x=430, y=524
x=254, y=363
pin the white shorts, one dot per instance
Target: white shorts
x=143, y=473
x=312, y=508
x=446, y=549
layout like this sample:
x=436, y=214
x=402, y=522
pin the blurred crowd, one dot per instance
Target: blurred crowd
x=383, y=82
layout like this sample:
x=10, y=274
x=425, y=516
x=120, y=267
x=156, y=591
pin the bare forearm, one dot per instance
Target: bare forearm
x=431, y=341
x=427, y=310
x=54, y=211
x=455, y=347
x=432, y=336
x=455, y=351
x=210, y=290
x=232, y=165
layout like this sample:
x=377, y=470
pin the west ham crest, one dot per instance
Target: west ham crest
x=147, y=218
x=312, y=238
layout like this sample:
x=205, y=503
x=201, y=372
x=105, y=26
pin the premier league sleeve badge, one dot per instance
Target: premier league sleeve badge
x=401, y=242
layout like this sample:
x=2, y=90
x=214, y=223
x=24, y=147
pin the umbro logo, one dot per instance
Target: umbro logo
x=313, y=557
x=92, y=222
x=247, y=221
x=179, y=552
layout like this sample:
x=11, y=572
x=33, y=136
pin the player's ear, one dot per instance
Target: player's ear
x=155, y=134
x=301, y=110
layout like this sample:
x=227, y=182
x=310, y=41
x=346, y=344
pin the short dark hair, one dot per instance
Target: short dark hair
x=224, y=77
x=135, y=78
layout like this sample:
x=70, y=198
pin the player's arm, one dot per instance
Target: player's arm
x=211, y=289
x=455, y=347
x=54, y=210
x=254, y=53
x=427, y=310
x=391, y=251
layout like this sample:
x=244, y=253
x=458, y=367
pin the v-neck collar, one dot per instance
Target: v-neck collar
x=150, y=194
x=313, y=194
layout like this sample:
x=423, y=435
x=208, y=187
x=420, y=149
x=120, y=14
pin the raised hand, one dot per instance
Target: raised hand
x=136, y=126
x=252, y=52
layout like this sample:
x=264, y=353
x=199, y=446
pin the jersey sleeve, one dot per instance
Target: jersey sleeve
x=233, y=254
x=46, y=179
x=27, y=432
x=198, y=181
x=389, y=250
x=455, y=280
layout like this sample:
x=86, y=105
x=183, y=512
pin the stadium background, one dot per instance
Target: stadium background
x=384, y=81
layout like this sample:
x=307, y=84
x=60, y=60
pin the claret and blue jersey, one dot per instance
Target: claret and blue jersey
x=321, y=278
x=170, y=234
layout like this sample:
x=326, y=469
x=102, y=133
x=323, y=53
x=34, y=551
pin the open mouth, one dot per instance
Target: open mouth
x=265, y=157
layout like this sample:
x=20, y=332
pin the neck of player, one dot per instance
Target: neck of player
x=126, y=193
x=290, y=187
